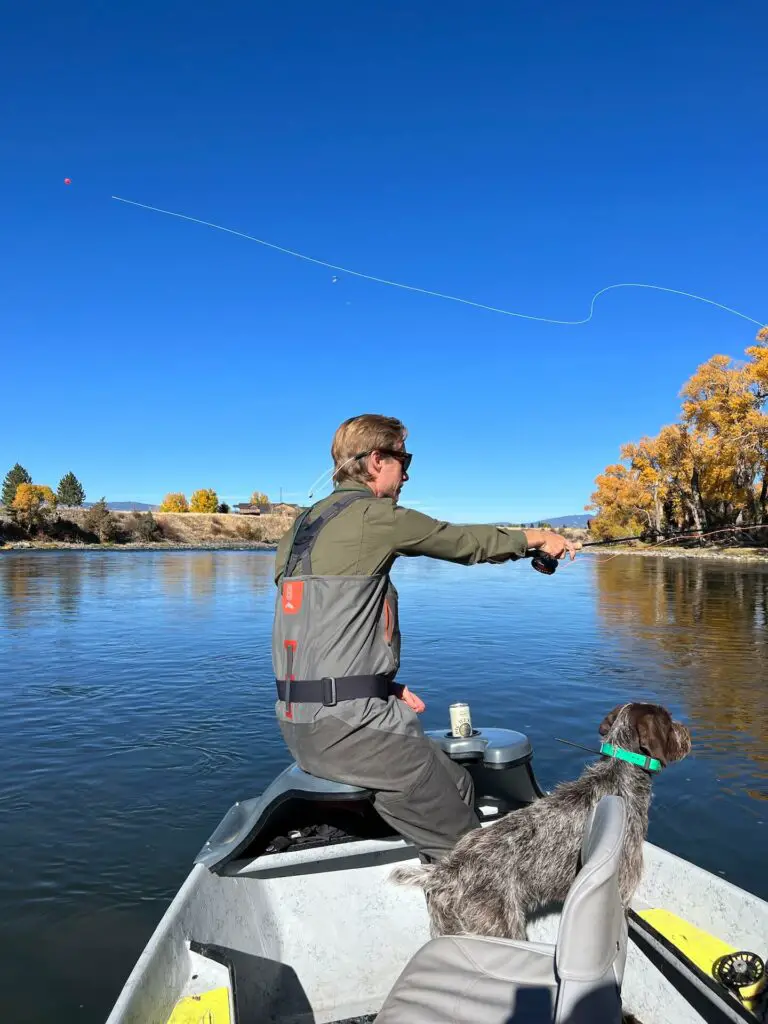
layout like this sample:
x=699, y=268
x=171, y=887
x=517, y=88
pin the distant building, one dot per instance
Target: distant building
x=247, y=509
x=280, y=508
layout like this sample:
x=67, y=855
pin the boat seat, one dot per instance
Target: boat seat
x=471, y=979
x=312, y=785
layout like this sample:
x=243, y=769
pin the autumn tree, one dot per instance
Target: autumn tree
x=70, y=491
x=622, y=503
x=707, y=471
x=724, y=403
x=32, y=505
x=174, y=502
x=205, y=500
x=259, y=498
x=15, y=476
x=757, y=369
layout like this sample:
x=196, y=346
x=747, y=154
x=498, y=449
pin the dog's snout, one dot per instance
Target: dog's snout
x=683, y=741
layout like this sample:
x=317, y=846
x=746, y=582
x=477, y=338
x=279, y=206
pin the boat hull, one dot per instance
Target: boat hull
x=321, y=935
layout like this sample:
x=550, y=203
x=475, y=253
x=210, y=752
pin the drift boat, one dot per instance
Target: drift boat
x=288, y=917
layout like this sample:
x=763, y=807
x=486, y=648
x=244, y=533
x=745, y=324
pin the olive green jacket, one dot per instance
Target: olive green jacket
x=367, y=537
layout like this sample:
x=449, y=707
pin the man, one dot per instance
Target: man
x=336, y=638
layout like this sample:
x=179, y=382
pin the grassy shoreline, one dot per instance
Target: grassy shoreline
x=26, y=545
x=71, y=531
x=741, y=554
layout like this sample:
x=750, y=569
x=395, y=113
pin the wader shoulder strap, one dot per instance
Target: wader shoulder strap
x=306, y=534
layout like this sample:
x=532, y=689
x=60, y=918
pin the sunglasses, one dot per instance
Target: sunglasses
x=404, y=458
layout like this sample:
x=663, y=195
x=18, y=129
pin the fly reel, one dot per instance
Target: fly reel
x=543, y=562
x=738, y=970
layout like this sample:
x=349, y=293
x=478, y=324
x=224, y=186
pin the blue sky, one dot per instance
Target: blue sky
x=522, y=155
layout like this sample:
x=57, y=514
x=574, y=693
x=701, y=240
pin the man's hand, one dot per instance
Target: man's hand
x=414, y=703
x=552, y=543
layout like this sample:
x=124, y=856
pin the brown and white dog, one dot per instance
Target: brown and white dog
x=495, y=877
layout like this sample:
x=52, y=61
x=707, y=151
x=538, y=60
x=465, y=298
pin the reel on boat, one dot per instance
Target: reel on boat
x=738, y=970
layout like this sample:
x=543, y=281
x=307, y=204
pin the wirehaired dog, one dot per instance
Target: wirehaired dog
x=495, y=877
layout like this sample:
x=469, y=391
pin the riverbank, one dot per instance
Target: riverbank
x=27, y=545
x=71, y=529
x=709, y=553
x=732, y=554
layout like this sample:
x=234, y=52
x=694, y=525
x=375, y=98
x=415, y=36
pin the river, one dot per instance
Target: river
x=136, y=706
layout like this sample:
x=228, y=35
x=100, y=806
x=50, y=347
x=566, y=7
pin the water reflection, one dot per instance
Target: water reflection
x=172, y=572
x=17, y=582
x=202, y=575
x=261, y=573
x=202, y=570
x=69, y=585
x=30, y=582
x=708, y=621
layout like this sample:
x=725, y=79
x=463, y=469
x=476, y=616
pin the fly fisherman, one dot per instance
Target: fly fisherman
x=336, y=637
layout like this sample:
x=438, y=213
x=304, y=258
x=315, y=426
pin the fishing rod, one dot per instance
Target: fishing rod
x=547, y=564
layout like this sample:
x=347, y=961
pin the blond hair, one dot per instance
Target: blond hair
x=361, y=434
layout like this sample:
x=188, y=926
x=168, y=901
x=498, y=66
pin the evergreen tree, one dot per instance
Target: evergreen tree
x=70, y=491
x=99, y=520
x=14, y=477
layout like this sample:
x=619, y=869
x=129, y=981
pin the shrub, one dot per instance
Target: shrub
x=248, y=530
x=99, y=520
x=60, y=529
x=146, y=528
x=224, y=508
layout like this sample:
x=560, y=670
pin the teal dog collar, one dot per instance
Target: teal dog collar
x=650, y=764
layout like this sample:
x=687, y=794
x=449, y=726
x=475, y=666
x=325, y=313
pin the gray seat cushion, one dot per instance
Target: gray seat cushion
x=468, y=979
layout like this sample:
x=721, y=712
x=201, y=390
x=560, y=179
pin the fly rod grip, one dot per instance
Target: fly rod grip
x=545, y=563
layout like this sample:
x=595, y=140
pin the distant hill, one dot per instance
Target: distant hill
x=575, y=520
x=126, y=506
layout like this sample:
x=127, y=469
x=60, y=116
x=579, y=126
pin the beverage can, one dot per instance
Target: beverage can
x=461, y=720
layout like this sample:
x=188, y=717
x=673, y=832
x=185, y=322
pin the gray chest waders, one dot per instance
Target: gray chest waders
x=335, y=638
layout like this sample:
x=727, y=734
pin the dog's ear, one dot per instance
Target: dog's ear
x=656, y=735
x=609, y=719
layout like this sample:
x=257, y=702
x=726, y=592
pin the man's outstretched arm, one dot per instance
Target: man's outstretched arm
x=419, y=534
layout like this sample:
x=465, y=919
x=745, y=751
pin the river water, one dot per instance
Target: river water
x=136, y=706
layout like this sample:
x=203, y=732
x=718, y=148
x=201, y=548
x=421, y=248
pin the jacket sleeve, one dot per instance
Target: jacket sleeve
x=417, y=534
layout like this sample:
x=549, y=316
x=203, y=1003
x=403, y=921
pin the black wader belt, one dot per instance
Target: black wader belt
x=330, y=691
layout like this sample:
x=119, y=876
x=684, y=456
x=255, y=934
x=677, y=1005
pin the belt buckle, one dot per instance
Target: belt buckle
x=329, y=691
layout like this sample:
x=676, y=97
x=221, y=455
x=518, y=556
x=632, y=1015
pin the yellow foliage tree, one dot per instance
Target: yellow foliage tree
x=32, y=504
x=204, y=500
x=259, y=498
x=174, y=502
x=622, y=502
x=709, y=470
